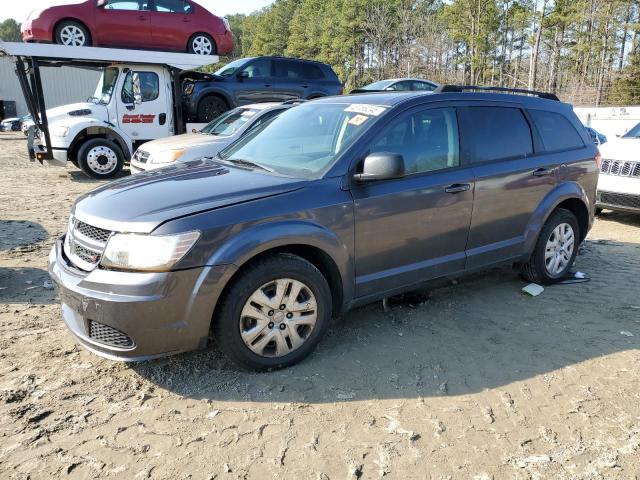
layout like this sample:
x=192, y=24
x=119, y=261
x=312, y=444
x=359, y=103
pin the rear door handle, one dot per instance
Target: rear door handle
x=541, y=172
x=268, y=85
x=458, y=188
x=142, y=17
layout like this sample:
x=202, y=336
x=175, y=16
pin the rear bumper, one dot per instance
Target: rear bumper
x=157, y=314
x=224, y=43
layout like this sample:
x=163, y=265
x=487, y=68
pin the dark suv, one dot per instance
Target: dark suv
x=256, y=80
x=333, y=204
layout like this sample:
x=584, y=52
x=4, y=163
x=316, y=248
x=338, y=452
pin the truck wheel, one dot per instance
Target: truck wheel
x=72, y=34
x=210, y=108
x=555, y=250
x=202, y=44
x=274, y=313
x=100, y=158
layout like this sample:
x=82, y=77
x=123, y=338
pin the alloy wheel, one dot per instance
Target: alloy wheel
x=73, y=36
x=201, y=45
x=278, y=317
x=559, y=249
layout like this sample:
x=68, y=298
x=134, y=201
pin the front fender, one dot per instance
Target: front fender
x=258, y=239
x=564, y=191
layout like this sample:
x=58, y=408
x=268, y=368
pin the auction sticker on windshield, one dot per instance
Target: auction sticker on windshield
x=366, y=109
x=358, y=120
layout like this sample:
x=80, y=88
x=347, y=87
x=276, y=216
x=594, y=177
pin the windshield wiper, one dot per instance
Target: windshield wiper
x=249, y=164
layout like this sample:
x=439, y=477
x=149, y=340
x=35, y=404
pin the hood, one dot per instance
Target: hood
x=144, y=201
x=79, y=109
x=625, y=149
x=10, y=120
x=181, y=141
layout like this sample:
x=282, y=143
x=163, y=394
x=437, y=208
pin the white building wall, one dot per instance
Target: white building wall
x=61, y=85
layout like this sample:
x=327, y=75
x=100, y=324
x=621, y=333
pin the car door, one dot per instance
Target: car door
x=124, y=23
x=254, y=83
x=513, y=176
x=144, y=108
x=289, y=80
x=415, y=228
x=170, y=24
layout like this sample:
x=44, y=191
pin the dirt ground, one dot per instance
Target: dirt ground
x=477, y=382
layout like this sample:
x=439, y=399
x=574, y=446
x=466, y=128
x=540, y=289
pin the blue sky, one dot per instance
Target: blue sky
x=20, y=9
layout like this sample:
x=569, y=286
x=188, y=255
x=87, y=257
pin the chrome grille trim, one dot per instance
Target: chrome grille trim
x=620, y=168
x=84, y=244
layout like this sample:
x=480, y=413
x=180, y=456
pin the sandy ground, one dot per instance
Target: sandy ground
x=479, y=381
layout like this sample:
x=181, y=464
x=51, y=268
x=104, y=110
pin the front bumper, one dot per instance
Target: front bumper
x=623, y=202
x=37, y=30
x=159, y=313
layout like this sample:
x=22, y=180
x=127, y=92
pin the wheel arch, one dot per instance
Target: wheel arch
x=71, y=19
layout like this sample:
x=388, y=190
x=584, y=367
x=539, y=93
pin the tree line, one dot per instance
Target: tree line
x=586, y=51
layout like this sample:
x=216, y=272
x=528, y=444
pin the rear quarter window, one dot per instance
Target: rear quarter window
x=556, y=130
x=498, y=133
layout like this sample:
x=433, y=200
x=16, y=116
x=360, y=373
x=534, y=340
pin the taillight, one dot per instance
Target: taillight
x=598, y=159
x=227, y=25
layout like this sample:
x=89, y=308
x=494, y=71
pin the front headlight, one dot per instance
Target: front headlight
x=60, y=131
x=149, y=253
x=168, y=156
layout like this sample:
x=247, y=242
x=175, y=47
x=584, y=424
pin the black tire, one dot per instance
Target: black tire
x=535, y=270
x=64, y=27
x=598, y=211
x=227, y=320
x=90, y=161
x=211, y=107
x=196, y=48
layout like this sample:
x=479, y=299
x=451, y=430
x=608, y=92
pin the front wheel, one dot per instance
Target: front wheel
x=556, y=249
x=210, y=108
x=202, y=44
x=100, y=158
x=274, y=314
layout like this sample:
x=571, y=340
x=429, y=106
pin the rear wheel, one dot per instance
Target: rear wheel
x=556, y=249
x=598, y=211
x=274, y=314
x=100, y=158
x=202, y=44
x=210, y=108
x=72, y=34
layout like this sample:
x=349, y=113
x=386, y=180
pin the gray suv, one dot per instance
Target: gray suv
x=333, y=204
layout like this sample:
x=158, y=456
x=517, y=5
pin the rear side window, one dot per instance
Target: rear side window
x=297, y=70
x=556, y=130
x=499, y=133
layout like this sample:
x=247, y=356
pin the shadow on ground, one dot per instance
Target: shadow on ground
x=483, y=333
x=20, y=233
x=26, y=285
x=81, y=177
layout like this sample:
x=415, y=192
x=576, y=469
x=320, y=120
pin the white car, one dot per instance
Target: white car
x=214, y=137
x=619, y=182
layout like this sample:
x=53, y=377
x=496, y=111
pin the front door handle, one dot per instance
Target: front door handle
x=458, y=188
x=268, y=85
x=142, y=17
x=541, y=172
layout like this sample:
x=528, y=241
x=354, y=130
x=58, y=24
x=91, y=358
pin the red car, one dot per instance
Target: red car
x=180, y=25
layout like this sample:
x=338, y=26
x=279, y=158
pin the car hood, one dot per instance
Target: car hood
x=144, y=201
x=10, y=120
x=184, y=141
x=625, y=149
x=78, y=110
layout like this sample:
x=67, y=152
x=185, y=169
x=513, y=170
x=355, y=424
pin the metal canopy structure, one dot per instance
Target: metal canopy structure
x=30, y=57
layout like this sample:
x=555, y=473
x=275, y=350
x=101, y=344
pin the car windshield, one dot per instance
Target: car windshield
x=304, y=141
x=633, y=133
x=381, y=85
x=231, y=68
x=230, y=122
x=105, y=87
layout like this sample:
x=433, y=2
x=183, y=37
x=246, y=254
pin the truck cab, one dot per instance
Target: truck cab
x=137, y=99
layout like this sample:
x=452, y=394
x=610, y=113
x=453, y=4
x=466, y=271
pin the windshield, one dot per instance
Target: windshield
x=305, y=140
x=633, y=133
x=381, y=85
x=229, y=123
x=105, y=87
x=231, y=68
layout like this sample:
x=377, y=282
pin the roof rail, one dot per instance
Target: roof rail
x=463, y=88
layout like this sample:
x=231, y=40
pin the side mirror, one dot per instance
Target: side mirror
x=242, y=75
x=381, y=166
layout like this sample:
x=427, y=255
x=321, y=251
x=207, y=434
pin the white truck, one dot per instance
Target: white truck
x=138, y=99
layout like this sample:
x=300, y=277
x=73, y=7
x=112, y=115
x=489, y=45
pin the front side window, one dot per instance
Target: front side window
x=125, y=5
x=427, y=140
x=499, y=133
x=400, y=87
x=260, y=68
x=423, y=86
x=231, y=68
x=557, y=132
x=104, y=90
x=304, y=141
x=146, y=84
x=230, y=122
x=381, y=85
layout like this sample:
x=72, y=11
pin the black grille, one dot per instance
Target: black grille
x=94, y=233
x=108, y=335
x=141, y=156
x=620, y=200
x=85, y=254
